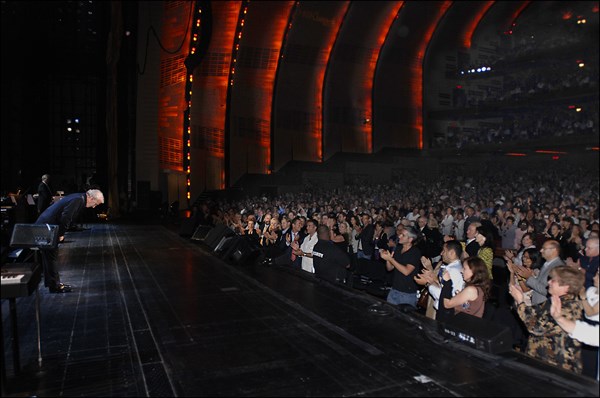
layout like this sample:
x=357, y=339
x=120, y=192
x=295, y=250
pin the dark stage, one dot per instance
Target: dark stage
x=155, y=314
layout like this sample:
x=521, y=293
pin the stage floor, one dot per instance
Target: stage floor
x=155, y=314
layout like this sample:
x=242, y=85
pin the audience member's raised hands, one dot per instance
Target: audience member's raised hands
x=516, y=292
x=509, y=254
x=555, y=307
x=510, y=265
x=426, y=263
x=573, y=264
x=425, y=277
x=385, y=254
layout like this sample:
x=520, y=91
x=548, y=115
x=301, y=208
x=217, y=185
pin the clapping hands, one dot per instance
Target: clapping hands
x=426, y=263
x=385, y=254
x=425, y=277
x=516, y=292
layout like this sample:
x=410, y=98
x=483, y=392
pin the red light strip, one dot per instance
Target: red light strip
x=317, y=134
x=368, y=83
x=550, y=152
x=268, y=80
x=275, y=80
x=416, y=70
x=518, y=13
x=474, y=23
x=515, y=154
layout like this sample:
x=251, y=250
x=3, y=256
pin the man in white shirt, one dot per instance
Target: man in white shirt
x=306, y=249
x=451, y=254
x=413, y=215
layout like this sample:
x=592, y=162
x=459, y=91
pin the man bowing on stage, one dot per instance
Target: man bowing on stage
x=63, y=213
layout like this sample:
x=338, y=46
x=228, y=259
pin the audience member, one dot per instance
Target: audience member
x=365, y=238
x=579, y=330
x=405, y=263
x=330, y=262
x=305, y=250
x=433, y=278
x=539, y=284
x=507, y=233
x=471, y=300
x=588, y=263
x=485, y=240
x=590, y=355
x=547, y=341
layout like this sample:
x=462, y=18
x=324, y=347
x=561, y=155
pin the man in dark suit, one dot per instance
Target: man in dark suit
x=470, y=245
x=281, y=242
x=431, y=244
x=366, y=247
x=470, y=217
x=294, y=234
x=44, y=199
x=63, y=213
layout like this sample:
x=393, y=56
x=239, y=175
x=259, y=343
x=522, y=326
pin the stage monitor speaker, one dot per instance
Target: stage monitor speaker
x=478, y=333
x=229, y=247
x=225, y=243
x=43, y=236
x=214, y=236
x=188, y=226
x=243, y=252
x=201, y=232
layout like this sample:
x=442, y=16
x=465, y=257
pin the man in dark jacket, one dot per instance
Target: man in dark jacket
x=366, y=247
x=431, y=243
x=330, y=262
x=44, y=199
x=63, y=213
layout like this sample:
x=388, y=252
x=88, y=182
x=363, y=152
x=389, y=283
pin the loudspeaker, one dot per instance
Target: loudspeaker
x=201, y=232
x=44, y=236
x=242, y=251
x=478, y=333
x=229, y=247
x=214, y=236
x=224, y=244
x=188, y=226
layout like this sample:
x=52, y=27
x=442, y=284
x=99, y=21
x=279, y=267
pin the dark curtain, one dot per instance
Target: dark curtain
x=113, y=50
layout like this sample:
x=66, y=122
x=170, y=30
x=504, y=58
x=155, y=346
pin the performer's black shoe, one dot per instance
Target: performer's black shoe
x=61, y=288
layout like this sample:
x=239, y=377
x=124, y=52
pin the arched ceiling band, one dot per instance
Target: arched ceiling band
x=416, y=70
x=324, y=76
x=472, y=26
x=384, y=33
x=317, y=132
